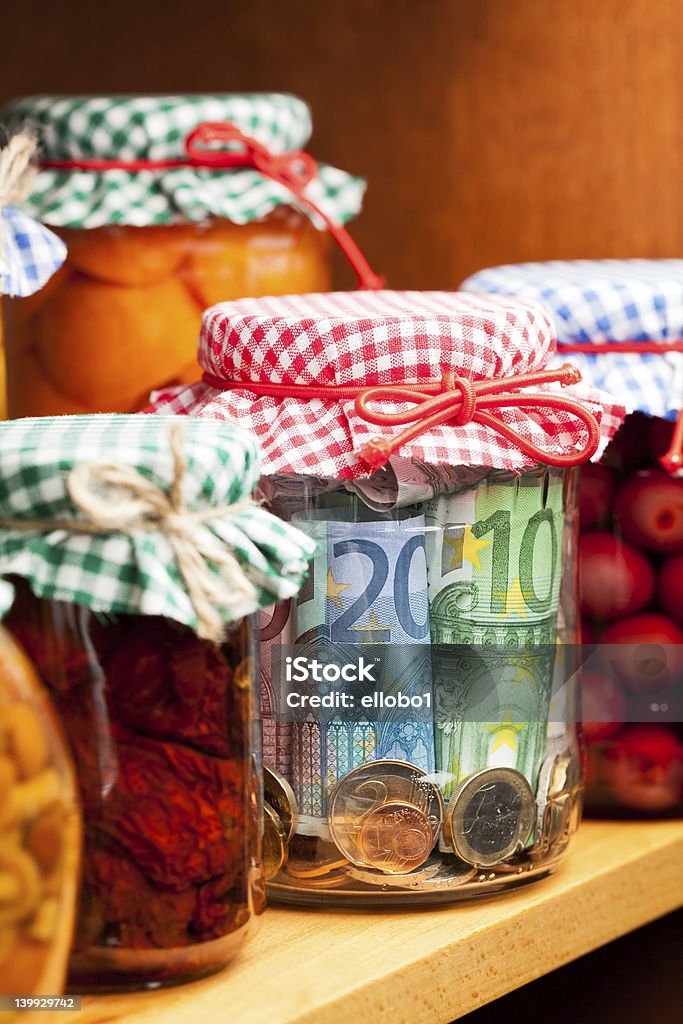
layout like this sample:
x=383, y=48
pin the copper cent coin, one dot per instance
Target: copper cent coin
x=396, y=838
x=490, y=816
x=386, y=815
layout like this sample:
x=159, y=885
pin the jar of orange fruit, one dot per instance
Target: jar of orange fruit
x=40, y=837
x=167, y=205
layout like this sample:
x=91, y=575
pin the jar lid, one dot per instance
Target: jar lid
x=598, y=301
x=145, y=516
x=156, y=128
x=294, y=369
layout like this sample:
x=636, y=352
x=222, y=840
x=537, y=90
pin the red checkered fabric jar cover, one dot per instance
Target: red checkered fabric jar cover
x=376, y=338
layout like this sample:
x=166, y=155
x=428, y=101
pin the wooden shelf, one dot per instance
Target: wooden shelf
x=427, y=966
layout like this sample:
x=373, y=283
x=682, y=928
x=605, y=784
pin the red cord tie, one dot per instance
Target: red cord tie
x=461, y=401
x=454, y=400
x=221, y=145
x=672, y=460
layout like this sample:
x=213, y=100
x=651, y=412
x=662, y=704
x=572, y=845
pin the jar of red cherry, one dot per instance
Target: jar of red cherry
x=622, y=323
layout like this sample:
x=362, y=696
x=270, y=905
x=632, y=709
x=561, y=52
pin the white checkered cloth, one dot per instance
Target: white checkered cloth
x=29, y=253
x=608, y=300
x=372, y=338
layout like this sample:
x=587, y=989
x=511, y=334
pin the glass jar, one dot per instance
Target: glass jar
x=165, y=737
x=41, y=834
x=418, y=693
x=141, y=291
x=631, y=564
x=434, y=755
x=621, y=321
x=167, y=204
x=132, y=563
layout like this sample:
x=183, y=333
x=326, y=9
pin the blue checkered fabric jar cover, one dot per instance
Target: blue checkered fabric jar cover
x=29, y=253
x=608, y=300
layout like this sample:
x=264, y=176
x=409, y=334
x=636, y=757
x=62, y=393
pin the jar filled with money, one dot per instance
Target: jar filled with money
x=417, y=695
x=167, y=204
x=622, y=321
x=132, y=560
x=41, y=834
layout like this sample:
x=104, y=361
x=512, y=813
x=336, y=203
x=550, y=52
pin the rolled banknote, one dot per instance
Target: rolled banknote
x=366, y=589
x=494, y=571
x=405, y=482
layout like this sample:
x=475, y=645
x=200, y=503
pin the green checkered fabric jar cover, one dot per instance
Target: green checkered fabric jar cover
x=137, y=571
x=155, y=128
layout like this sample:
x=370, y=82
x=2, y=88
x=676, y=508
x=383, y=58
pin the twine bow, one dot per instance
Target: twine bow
x=221, y=145
x=115, y=498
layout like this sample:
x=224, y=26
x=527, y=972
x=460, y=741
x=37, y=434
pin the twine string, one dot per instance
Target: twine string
x=17, y=170
x=115, y=498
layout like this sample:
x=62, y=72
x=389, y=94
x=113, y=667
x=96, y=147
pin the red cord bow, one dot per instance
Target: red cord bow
x=453, y=400
x=460, y=401
x=221, y=145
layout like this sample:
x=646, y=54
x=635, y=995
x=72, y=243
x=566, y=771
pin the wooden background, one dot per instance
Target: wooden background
x=489, y=130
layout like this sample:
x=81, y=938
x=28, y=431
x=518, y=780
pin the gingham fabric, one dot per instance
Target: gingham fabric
x=155, y=128
x=609, y=300
x=136, y=573
x=373, y=338
x=29, y=253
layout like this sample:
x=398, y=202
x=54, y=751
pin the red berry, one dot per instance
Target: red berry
x=649, y=508
x=670, y=588
x=615, y=578
x=644, y=768
x=648, y=628
x=596, y=491
x=654, y=661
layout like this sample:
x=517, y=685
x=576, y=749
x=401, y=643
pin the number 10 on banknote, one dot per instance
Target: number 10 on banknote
x=494, y=573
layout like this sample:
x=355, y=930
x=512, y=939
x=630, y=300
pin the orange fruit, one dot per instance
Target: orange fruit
x=107, y=346
x=279, y=256
x=18, y=314
x=127, y=255
x=30, y=393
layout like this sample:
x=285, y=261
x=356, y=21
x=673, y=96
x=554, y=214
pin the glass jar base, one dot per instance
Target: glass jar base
x=99, y=969
x=442, y=880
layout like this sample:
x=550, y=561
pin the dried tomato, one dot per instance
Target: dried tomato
x=161, y=726
x=165, y=682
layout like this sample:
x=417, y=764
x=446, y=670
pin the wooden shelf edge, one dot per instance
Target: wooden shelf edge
x=429, y=966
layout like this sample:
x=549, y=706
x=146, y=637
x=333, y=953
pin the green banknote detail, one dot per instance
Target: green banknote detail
x=494, y=565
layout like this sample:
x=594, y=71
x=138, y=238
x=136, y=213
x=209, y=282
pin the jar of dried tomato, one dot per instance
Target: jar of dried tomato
x=40, y=844
x=622, y=322
x=167, y=204
x=418, y=711
x=135, y=559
